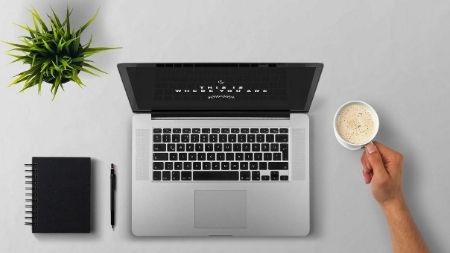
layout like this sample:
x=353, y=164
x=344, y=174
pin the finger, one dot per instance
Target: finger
x=375, y=160
x=365, y=161
x=367, y=176
x=386, y=152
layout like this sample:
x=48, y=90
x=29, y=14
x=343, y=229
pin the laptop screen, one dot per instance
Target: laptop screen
x=220, y=87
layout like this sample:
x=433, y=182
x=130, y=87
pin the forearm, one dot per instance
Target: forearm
x=405, y=236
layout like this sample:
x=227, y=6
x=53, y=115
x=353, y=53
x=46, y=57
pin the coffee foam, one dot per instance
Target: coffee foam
x=355, y=123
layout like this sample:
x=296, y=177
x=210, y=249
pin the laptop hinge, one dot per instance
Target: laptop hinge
x=227, y=114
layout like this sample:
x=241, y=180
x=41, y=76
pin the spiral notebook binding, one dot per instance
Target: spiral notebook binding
x=30, y=194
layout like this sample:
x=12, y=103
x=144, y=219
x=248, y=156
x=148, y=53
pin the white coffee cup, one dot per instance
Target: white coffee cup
x=353, y=146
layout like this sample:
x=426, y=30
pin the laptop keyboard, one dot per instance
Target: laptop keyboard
x=220, y=154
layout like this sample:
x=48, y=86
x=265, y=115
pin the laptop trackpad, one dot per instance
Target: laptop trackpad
x=220, y=209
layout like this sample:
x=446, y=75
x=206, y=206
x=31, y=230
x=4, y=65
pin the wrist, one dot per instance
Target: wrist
x=394, y=205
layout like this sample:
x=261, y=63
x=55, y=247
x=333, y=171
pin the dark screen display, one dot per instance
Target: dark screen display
x=221, y=86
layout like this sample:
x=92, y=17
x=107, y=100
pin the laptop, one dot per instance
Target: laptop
x=220, y=149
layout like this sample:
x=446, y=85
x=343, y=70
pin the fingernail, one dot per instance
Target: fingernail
x=370, y=148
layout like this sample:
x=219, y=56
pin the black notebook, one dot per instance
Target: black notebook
x=59, y=199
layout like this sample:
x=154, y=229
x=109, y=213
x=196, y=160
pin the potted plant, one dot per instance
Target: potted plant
x=54, y=53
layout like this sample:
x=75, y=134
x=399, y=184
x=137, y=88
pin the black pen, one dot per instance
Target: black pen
x=113, y=196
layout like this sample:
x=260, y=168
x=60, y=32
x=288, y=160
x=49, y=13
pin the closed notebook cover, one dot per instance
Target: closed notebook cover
x=62, y=192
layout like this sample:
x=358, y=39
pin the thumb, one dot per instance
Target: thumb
x=375, y=160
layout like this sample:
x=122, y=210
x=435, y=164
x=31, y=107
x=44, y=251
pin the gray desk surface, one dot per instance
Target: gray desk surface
x=392, y=54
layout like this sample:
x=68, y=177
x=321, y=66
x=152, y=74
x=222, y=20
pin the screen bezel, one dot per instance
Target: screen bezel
x=122, y=67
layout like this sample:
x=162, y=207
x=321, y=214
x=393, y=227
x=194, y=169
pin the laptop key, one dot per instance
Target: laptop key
x=278, y=166
x=201, y=156
x=277, y=156
x=237, y=147
x=157, y=130
x=196, y=130
x=159, y=147
x=264, y=130
x=260, y=137
x=220, y=156
x=265, y=147
x=235, y=130
x=215, y=130
x=180, y=147
x=243, y=165
x=267, y=156
x=283, y=130
x=185, y=138
x=204, y=138
x=187, y=166
x=160, y=156
x=274, y=130
x=178, y=166
x=227, y=147
x=197, y=165
x=232, y=138
x=262, y=165
x=190, y=147
x=199, y=147
x=211, y=156
x=284, y=178
x=257, y=156
x=215, y=175
x=166, y=175
x=175, y=175
x=213, y=138
x=216, y=166
x=239, y=156
x=225, y=165
x=206, y=130
x=229, y=156
x=167, y=130
x=218, y=147
x=206, y=165
x=195, y=138
x=186, y=130
x=156, y=138
x=158, y=165
x=222, y=137
x=170, y=147
x=168, y=165
x=173, y=156
x=177, y=130
x=209, y=147
x=253, y=166
x=274, y=147
x=182, y=156
x=242, y=138
x=166, y=138
x=256, y=147
x=274, y=175
x=234, y=165
x=281, y=137
x=265, y=178
x=186, y=175
x=156, y=175
x=245, y=130
x=192, y=156
x=248, y=156
x=225, y=130
x=284, y=151
x=245, y=175
x=254, y=130
x=270, y=138
x=176, y=138
x=251, y=138
x=246, y=147
x=255, y=175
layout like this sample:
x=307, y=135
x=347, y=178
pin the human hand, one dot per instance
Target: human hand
x=382, y=168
